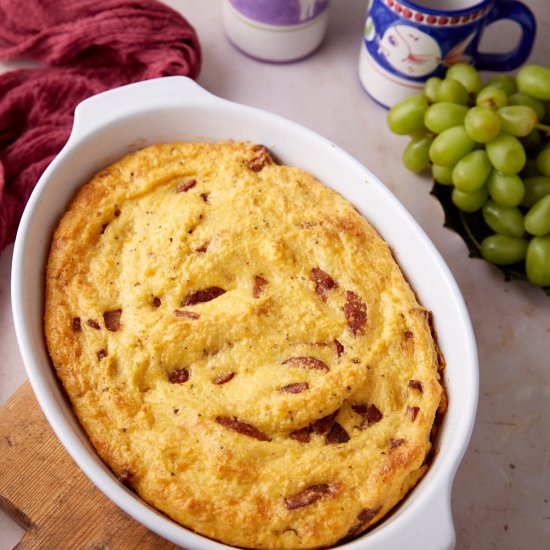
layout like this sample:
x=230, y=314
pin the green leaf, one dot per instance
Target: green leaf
x=472, y=229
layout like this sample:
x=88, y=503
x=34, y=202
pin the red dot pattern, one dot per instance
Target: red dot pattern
x=434, y=20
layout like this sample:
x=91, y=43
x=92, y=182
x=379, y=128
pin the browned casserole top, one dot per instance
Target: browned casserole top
x=240, y=346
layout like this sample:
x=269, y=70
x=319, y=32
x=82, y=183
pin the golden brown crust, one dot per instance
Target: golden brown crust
x=240, y=346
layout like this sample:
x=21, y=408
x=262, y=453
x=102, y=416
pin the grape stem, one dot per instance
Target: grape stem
x=544, y=127
x=466, y=228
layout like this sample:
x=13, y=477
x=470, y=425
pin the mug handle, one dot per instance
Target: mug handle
x=523, y=16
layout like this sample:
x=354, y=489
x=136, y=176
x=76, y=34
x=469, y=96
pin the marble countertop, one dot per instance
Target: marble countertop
x=501, y=495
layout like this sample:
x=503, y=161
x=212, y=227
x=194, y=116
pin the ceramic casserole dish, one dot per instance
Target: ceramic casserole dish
x=112, y=124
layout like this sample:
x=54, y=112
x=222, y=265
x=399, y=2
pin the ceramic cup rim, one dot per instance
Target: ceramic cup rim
x=447, y=12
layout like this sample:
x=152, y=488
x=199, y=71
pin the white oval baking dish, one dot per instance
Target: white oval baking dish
x=119, y=121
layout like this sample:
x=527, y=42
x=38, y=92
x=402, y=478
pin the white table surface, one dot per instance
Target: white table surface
x=501, y=496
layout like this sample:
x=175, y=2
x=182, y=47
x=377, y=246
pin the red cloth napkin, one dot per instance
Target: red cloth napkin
x=88, y=46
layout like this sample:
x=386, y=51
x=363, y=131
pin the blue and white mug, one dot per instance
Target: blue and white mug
x=405, y=43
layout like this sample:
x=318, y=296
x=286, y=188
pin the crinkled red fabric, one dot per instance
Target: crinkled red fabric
x=87, y=46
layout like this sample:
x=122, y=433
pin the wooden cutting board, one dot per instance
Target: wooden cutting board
x=46, y=493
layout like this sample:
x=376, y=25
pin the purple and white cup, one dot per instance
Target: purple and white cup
x=275, y=30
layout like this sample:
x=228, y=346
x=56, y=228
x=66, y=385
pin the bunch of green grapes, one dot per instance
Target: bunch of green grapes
x=490, y=142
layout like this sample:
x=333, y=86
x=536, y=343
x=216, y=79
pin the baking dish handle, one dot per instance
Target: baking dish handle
x=99, y=110
x=432, y=524
x=426, y=524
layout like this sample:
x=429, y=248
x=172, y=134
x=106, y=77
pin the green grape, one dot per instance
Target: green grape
x=504, y=82
x=407, y=116
x=543, y=162
x=466, y=75
x=443, y=174
x=450, y=146
x=416, y=155
x=452, y=91
x=491, y=97
x=537, y=262
x=506, y=154
x=471, y=171
x=482, y=152
x=534, y=80
x=537, y=219
x=505, y=190
x=530, y=170
x=532, y=142
x=482, y=124
x=523, y=99
x=503, y=250
x=441, y=116
x=535, y=188
x=469, y=202
x=430, y=88
x=518, y=120
x=503, y=220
